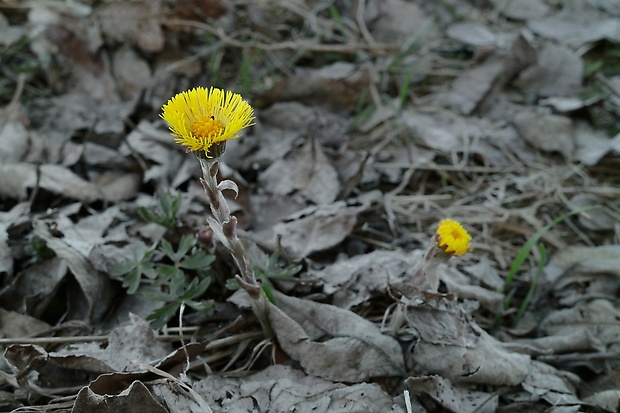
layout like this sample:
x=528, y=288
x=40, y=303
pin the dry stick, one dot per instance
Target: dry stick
x=377, y=48
x=102, y=339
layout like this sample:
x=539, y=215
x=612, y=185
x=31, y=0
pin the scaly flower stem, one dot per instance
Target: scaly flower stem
x=224, y=227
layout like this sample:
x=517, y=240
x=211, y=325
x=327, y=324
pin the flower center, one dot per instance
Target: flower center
x=456, y=234
x=207, y=127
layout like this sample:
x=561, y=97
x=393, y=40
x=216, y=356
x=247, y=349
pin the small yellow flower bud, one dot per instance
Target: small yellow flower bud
x=452, y=237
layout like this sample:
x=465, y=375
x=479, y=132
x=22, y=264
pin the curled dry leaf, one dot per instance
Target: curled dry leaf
x=136, y=398
x=96, y=286
x=333, y=343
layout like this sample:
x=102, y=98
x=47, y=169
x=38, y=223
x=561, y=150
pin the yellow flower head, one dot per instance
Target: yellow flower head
x=452, y=237
x=200, y=118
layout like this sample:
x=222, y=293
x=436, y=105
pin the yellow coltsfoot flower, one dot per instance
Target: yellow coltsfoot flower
x=200, y=118
x=452, y=237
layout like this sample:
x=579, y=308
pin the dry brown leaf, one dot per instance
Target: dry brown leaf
x=602, y=218
x=20, y=177
x=522, y=9
x=546, y=131
x=455, y=347
x=319, y=228
x=135, y=22
x=461, y=285
x=20, y=325
x=333, y=343
x=54, y=371
x=590, y=145
x=131, y=72
x=473, y=34
x=451, y=397
x=397, y=21
x=555, y=386
x=307, y=172
x=472, y=86
x=7, y=220
x=354, y=280
x=558, y=72
x=32, y=290
x=135, y=399
x=14, y=142
x=128, y=346
x=96, y=286
x=597, y=318
x=608, y=400
x=577, y=27
x=592, y=261
x=284, y=389
x=338, y=86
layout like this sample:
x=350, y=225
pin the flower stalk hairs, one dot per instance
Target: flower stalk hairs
x=203, y=120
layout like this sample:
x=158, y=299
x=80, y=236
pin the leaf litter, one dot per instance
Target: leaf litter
x=375, y=121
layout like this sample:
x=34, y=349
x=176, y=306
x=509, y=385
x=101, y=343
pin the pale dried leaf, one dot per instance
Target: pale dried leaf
x=577, y=27
x=558, y=72
x=546, y=131
x=607, y=399
x=552, y=385
x=472, y=86
x=395, y=21
x=319, y=228
x=177, y=399
x=284, y=389
x=451, y=397
x=522, y=9
x=128, y=346
x=455, y=347
x=33, y=289
x=597, y=219
x=96, y=286
x=355, y=280
x=131, y=72
x=462, y=287
x=473, y=34
x=18, y=325
x=18, y=178
x=307, y=172
x=14, y=142
x=134, y=22
x=604, y=259
x=597, y=318
x=590, y=145
x=333, y=343
x=337, y=85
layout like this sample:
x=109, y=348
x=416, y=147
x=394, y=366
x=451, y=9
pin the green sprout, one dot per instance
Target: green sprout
x=174, y=277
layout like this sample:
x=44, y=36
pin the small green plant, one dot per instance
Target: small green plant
x=520, y=259
x=38, y=251
x=168, y=207
x=272, y=271
x=174, y=277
